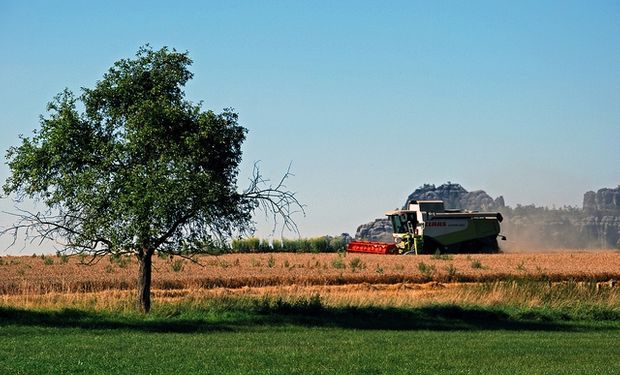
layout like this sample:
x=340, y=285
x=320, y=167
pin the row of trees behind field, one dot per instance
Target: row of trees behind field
x=324, y=244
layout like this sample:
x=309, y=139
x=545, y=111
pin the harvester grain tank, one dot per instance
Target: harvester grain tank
x=426, y=227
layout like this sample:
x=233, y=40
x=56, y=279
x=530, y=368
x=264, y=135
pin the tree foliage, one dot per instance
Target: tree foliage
x=140, y=168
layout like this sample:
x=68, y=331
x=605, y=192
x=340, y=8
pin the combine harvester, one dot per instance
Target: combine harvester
x=427, y=227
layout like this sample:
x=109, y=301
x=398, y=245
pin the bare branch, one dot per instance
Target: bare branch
x=276, y=201
x=190, y=258
x=39, y=227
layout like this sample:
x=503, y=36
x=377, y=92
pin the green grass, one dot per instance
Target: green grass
x=272, y=336
x=306, y=350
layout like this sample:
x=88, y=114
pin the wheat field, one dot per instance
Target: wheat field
x=41, y=275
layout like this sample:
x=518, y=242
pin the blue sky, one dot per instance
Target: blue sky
x=367, y=99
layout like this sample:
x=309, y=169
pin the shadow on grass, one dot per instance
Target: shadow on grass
x=70, y=318
x=436, y=318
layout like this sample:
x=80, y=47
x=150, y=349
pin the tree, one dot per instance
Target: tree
x=140, y=170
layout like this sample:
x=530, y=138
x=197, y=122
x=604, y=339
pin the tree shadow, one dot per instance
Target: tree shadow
x=71, y=318
x=435, y=318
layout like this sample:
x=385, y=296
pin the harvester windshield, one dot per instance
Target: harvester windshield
x=400, y=220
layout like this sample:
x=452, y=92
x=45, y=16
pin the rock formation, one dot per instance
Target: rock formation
x=455, y=196
x=596, y=225
x=379, y=230
x=603, y=202
x=602, y=222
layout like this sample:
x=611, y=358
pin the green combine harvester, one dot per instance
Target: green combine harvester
x=426, y=227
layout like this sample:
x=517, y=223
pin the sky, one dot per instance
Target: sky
x=366, y=100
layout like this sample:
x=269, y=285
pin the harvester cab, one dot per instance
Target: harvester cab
x=408, y=225
x=407, y=229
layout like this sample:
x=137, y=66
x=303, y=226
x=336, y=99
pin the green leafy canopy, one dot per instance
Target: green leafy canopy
x=139, y=168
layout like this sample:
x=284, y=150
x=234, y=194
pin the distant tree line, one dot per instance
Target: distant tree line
x=324, y=244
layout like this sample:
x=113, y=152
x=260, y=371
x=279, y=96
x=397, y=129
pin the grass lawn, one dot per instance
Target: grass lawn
x=308, y=340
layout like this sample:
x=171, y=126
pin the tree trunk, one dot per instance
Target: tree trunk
x=144, y=281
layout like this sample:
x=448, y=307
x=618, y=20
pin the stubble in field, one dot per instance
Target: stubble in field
x=339, y=280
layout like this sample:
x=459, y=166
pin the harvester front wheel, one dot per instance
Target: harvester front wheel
x=431, y=246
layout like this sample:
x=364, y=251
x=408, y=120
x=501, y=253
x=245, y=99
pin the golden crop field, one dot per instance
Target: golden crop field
x=350, y=279
x=41, y=275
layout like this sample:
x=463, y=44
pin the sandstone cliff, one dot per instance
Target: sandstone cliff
x=455, y=196
x=595, y=225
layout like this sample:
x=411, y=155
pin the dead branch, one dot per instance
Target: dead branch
x=276, y=201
